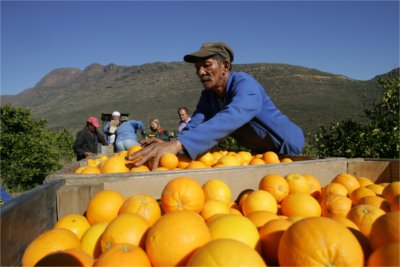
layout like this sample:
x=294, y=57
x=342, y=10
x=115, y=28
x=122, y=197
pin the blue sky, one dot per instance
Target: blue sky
x=358, y=39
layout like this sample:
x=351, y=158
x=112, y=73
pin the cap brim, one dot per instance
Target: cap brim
x=201, y=54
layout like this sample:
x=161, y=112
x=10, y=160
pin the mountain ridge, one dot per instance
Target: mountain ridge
x=66, y=96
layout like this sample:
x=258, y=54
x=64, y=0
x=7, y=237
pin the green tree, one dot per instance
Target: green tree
x=29, y=152
x=378, y=138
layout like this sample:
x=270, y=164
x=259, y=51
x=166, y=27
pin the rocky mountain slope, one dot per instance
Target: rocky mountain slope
x=66, y=96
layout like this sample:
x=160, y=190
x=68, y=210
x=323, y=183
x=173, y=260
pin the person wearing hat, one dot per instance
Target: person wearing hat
x=88, y=138
x=231, y=104
x=111, y=127
x=126, y=133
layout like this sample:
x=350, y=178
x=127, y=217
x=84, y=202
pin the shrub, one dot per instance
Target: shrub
x=378, y=138
x=28, y=151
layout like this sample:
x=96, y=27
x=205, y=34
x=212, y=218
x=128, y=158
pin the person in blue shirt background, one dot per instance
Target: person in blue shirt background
x=125, y=134
x=231, y=104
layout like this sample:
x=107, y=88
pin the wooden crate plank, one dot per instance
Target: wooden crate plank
x=74, y=198
x=24, y=218
x=377, y=171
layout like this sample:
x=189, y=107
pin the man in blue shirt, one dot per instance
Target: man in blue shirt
x=232, y=104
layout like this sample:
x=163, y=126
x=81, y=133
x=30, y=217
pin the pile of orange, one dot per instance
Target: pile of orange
x=289, y=220
x=211, y=159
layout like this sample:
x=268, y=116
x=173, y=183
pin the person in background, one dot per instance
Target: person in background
x=88, y=138
x=157, y=131
x=184, y=117
x=126, y=133
x=111, y=126
x=231, y=104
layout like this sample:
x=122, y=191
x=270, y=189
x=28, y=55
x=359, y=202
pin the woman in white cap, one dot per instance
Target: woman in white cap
x=111, y=126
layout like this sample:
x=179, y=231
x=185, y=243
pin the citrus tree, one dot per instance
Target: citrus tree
x=28, y=151
x=378, y=138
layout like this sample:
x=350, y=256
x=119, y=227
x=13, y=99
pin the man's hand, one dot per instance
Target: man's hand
x=154, y=148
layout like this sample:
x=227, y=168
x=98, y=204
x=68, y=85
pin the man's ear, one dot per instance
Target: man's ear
x=227, y=64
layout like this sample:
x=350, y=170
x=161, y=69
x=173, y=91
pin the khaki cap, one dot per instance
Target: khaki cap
x=210, y=49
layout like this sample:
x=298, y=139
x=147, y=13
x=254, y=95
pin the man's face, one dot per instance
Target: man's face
x=92, y=128
x=183, y=115
x=211, y=73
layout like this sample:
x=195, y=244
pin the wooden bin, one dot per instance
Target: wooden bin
x=64, y=192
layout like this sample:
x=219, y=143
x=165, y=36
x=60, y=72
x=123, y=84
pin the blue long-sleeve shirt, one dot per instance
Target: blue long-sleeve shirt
x=128, y=130
x=245, y=104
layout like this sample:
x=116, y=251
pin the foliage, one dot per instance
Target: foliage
x=378, y=138
x=231, y=144
x=28, y=151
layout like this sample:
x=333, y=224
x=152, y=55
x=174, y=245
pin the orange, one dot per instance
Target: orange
x=169, y=161
x=256, y=161
x=123, y=255
x=297, y=183
x=391, y=190
x=270, y=235
x=174, y=237
x=90, y=241
x=182, y=193
x=80, y=169
x=276, y=185
x=286, y=160
x=115, y=165
x=242, y=196
x=235, y=227
x=237, y=156
x=212, y=207
x=226, y=252
x=346, y=222
x=259, y=200
x=387, y=255
x=76, y=223
x=227, y=160
x=364, y=181
x=207, y=158
x=246, y=157
x=385, y=230
x=359, y=193
x=270, y=157
x=315, y=185
x=395, y=204
x=195, y=164
x=217, y=155
x=143, y=205
x=319, y=241
x=334, y=188
x=68, y=257
x=104, y=206
x=377, y=188
x=126, y=228
x=216, y=189
x=260, y=217
x=349, y=181
x=335, y=205
x=300, y=204
x=183, y=161
x=90, y=170
x=376, y=201
x=141, y=168
x=48, y=242
x=364, y=216
x=132, y=150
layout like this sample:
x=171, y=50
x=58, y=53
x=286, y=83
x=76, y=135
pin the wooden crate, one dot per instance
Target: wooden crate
x=64, y=192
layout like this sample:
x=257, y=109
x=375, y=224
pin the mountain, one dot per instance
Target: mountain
x=66, y=96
